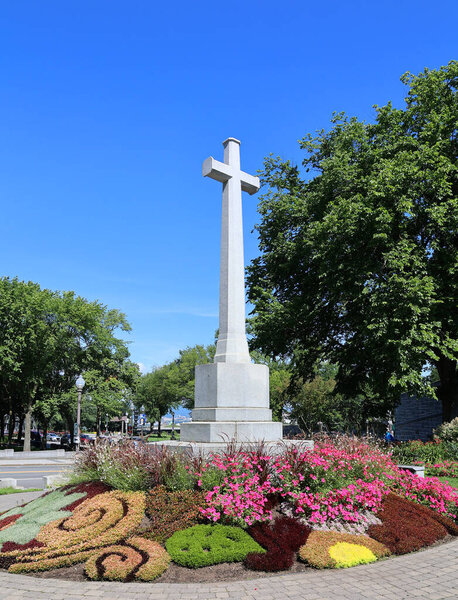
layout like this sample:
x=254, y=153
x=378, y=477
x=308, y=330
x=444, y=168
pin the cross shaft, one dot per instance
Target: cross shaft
x=232, y=344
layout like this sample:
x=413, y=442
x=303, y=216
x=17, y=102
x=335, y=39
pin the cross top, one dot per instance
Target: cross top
x=230, y=168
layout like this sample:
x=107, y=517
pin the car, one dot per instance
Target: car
x=86, y=439
x=35, y=439
x=52, y=440
x=66, y=440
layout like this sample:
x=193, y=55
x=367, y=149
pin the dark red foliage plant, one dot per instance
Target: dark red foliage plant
x=406, y=526
x=90, y=489
x=449, y=524
x=281, y=540
x=8, y=520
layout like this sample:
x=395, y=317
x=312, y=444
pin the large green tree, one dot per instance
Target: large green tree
x=46, y=339
x=358, y=261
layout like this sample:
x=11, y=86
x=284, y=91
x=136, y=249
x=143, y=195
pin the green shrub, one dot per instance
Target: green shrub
x=415, y=450
x=181, y=477
x=448, y=432
x=210, y=477
x=132, y=480
x=204, y=545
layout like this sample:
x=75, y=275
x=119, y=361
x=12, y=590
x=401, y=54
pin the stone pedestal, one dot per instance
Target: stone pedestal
x=231, y=403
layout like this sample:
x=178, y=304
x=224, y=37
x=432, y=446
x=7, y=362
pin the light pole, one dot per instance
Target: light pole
x=79, y=386
x=142, y=419
x=172, y=437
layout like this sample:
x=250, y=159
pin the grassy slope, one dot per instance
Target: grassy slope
x=10, y=490
x=165, y=436
x=451, y=480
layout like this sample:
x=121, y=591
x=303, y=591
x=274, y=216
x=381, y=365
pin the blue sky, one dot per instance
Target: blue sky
x=108, y=108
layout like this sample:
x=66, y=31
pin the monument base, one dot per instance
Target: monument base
x=223, y=431
x=231, y=403
x=206, y=448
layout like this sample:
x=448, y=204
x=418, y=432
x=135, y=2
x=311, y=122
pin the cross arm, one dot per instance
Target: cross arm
x=216, y=170
x=222, y=172
x=249, y=183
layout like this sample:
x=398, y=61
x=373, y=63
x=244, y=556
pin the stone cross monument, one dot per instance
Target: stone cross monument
x=232, y=393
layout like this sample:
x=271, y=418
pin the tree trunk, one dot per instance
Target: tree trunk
x=448, y=388
x=2, y=425
x=159, y=433
x=19, y=432
x=27, y=429
x=44, y=439
x=11, y=427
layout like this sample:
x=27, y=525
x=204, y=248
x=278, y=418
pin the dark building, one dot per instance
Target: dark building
x=415, y=418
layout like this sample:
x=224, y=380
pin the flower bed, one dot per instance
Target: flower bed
x=336, y=506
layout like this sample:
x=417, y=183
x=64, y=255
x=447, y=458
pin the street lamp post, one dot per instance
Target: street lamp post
x=79, y=386
x=172, y=437
x=142, y=420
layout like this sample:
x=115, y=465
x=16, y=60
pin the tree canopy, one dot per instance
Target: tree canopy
x=358, y=261
x=47, y=338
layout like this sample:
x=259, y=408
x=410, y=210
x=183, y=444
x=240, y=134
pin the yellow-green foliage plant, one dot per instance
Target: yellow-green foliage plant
x=329, y=549
x=100, y=521
x=204, y=545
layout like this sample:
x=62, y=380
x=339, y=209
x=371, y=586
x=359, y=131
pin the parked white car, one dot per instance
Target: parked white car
x=53, y=439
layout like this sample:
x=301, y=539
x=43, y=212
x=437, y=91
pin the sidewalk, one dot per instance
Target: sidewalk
x=12, y=500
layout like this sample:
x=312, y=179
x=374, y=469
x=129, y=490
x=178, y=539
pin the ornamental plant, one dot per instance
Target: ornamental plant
x=428, y=491
x=406, y=526
x=171, y=511
x=328, y=484
x=204, y=545
x=443, y=468
x=135, y=559
x=241, y=498
x=30, y=518
x=448, y=432
x=100, y=521
x=129, y=467
x=415, y=451
x=326, y=549
x=281, y=540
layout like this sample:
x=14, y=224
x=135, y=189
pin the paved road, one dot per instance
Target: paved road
x=30, y=476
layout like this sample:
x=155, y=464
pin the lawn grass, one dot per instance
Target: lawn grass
x=153, y=437
x=11, y=490
x=453, y=481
